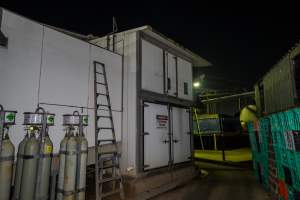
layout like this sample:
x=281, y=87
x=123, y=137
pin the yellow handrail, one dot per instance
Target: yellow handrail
x=198, y=127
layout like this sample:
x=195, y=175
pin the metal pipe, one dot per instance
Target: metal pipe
x=228, y=97
x=81, y=107
x=2, y=115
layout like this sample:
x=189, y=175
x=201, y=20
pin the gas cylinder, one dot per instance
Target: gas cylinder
x=70, y=168
x=81, y=173
x=44, y=168
x=6, y=167
x=73, y=158
x=19, y=168
x=30, y=167
x=62, y=159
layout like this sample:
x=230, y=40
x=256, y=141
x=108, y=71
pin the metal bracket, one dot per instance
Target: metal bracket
x=145, y=105
x=3, y=38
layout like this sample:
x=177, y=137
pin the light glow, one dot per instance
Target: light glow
x=197, y=84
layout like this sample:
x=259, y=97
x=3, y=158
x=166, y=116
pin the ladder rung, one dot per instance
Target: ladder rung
x=109, y=166
x=106, y=140
x=103, y=105
x=107, y=158
x=105, y=128
x=107, y=152
x=103, y=116
x=99, y=73
x=101, y=94
x=100, y=83
x=110, y=179
x=106, y=194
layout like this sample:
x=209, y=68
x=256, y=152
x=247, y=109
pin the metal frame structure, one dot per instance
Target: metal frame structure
x=147, y=96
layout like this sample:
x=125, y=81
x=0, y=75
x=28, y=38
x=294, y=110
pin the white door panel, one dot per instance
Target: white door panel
x=170, y=72
x=156, y=142
x=152, y=68
x=181, y=135
x=185, y=77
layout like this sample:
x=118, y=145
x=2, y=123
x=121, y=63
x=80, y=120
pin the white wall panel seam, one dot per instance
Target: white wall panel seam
x=41, y=64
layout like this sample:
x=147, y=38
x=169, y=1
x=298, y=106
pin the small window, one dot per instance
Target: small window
x=186, y=88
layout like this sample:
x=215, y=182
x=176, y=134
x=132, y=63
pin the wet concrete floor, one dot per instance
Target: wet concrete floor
x=222, y=183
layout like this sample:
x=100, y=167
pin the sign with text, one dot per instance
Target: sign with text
x=161, y=121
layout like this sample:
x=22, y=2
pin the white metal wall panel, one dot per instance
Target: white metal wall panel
x=152, y=68
x=181, y=135
x=65, y=72
x=185, y=75
x=170, y=72
x=129, y=131
x=20, y=68
x=66, y=76
x=156, y=149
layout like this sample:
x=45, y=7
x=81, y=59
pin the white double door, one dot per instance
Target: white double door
x=166, y=135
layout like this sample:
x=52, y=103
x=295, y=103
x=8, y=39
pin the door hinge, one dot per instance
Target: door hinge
x=189, y=132
x=146, y=166
x=145, y=133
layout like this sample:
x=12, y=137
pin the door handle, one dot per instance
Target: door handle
x=165, y=141
x=175, y=141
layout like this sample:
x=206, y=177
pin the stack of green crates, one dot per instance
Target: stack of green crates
x=286, y=143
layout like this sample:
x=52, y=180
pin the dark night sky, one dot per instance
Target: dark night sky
x=241, y=43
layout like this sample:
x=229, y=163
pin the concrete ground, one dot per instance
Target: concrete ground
x=222, y=183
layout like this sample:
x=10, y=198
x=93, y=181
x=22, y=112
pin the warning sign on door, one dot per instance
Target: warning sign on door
x=161, y=121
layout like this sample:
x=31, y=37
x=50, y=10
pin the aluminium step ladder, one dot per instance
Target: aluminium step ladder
x=108, y=178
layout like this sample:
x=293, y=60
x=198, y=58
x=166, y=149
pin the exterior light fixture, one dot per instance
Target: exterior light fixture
x=196, y=84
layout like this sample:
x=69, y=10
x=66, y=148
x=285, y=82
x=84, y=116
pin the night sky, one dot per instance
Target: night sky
x=241, y=43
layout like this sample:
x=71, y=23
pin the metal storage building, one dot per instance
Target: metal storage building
x=158, y=84
x=279, y=90
x=149, y=79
